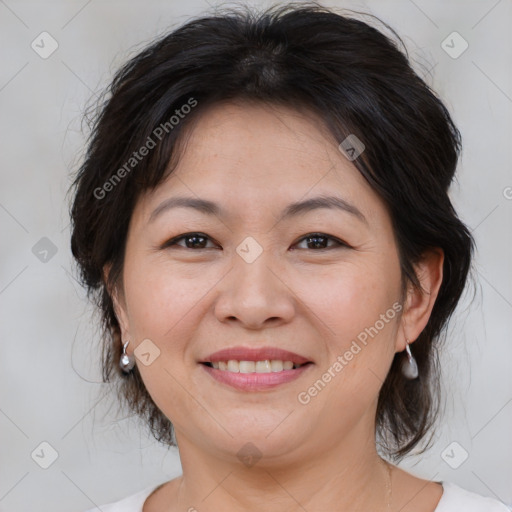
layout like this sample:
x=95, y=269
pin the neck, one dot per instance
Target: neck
x=350, y=476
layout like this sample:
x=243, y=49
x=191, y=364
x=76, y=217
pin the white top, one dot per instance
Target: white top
x=454, y=499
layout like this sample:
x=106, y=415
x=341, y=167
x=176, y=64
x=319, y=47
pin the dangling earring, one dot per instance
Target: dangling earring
x=409, y=365
x=127, y=362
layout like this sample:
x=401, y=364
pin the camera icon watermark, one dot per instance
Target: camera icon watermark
x=249, y=250
x=44, y=250
x=454, y=455
x=44, y=45
x=146, y=352
x=352, y=147
x=44, y=455
x=249, y=455
x=454, y=45
x=507, y=193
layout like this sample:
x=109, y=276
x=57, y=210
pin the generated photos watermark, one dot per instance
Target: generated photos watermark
x=304, y=397
x=151, y=142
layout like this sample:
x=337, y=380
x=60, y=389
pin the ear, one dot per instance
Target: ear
x=119, y=303
x=419, y=302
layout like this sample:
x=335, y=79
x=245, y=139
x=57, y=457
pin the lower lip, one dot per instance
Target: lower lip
x=255, y=381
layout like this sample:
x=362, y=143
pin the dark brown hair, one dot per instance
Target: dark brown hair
x=303, y=56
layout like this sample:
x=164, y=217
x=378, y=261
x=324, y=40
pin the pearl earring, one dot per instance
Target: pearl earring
x=127, y=362
x=409, y=365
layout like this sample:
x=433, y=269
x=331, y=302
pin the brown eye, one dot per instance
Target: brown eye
x=191, y=241
x=320, y=241
x=313, y=241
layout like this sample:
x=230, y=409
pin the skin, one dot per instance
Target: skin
x=254, y=160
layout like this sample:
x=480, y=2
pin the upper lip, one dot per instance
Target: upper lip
x=255, y=354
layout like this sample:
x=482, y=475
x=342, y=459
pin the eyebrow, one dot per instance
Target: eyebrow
x=298, y=208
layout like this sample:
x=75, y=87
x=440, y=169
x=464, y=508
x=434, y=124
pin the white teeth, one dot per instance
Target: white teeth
x=244, y=366
x=233, y=366
x=276, y=366
x=263, y=366
x=266, y=366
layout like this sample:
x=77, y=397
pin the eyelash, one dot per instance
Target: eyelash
x=173, y=241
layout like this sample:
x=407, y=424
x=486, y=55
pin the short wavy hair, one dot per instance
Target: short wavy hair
x=304, y=56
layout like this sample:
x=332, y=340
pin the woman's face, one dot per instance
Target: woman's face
x=254, y=278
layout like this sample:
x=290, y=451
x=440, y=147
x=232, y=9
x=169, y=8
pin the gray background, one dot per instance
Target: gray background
x=51, y=387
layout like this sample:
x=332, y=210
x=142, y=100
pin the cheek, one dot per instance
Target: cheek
x=351, y=297
x=164, y=305
x=162, y=299
x=358, y=308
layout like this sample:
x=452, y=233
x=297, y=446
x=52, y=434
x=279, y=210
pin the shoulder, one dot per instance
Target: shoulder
x=456, y=499
x=133, y=503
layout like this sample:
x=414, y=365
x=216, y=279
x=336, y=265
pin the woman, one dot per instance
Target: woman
x=263, y=218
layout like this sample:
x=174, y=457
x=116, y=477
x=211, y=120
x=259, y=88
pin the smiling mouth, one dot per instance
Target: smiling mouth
x=264, y=366
x=255, y=376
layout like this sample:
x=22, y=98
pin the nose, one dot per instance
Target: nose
x=255, y=295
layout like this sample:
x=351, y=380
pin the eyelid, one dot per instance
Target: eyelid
x=173, y=241
x=340, y=243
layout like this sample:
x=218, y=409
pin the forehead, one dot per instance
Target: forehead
x=264, y=137
x=249, y=153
